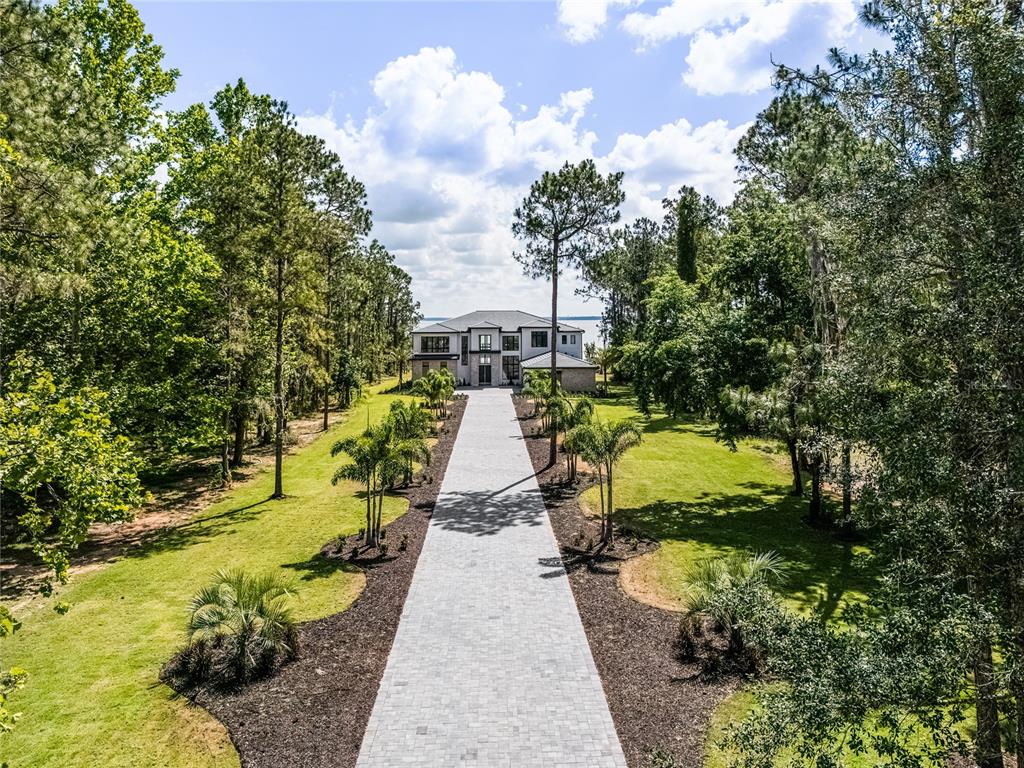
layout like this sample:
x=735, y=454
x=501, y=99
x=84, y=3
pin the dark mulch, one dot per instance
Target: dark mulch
x=314, y=710
x=656, y=700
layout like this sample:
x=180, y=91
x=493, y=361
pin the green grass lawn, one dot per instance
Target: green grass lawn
x=699, y=499
x=93, y=697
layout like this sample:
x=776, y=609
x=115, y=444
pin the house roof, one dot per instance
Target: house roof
x=562, y=360
x=506, y=319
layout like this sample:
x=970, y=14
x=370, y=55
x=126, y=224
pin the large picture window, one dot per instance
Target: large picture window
x=538, y=338
x=434, y=344
x=510, y=343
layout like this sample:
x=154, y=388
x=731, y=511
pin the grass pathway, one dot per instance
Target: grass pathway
x=93, y=697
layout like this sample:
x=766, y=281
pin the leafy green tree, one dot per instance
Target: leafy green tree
x=559, y=221
x=64, y=467
x=692, y=220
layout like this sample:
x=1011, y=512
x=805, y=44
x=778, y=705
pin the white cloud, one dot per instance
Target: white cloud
x=445, y=163
x=732, y=41
x=582, y=20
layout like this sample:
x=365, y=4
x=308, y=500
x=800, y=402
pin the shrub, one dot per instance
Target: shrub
x=239, y=630
x=722, y=592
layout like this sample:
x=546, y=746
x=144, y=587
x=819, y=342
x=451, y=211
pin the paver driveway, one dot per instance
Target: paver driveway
x=490, y=664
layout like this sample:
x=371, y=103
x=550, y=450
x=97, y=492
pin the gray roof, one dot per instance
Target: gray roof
x=562, y=360
x=505, y=319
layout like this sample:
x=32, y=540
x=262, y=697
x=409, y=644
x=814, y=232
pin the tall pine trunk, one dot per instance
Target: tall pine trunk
x=553, y=448
x=279, y=383
x=847, y=483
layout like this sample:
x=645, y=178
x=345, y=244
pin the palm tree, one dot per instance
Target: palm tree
x=410, y=422
x=710, y=580
x=605, y=358
x=362, y=469
x=564, y=414
x=380, y=456
x=602, y=444
x=240, y=625
x=436, y=387
x=537, y=387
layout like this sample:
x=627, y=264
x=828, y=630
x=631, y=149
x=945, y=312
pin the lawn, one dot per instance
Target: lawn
x=93, y=697
x=699, y=499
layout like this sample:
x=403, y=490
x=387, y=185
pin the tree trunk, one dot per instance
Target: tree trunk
x=327, y=389
x=239, y=450
x=816, y=515
x=279, y=383
x=847, y=484
x=368, y=538
x=610, y=532
x=600, y=490
x=553, y=450
x=988, y=751
x=794, y=463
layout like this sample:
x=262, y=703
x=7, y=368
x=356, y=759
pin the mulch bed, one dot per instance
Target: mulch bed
x=656, y=700
x=314, y=710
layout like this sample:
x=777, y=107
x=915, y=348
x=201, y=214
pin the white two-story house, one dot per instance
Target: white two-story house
x=493, y=347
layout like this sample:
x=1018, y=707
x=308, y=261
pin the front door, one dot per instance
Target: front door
x=485, y=375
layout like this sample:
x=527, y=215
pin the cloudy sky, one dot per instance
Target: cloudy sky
x=447, y=111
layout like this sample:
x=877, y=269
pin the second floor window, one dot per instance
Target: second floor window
x=434, y=344
x=538, y=338
x=510, y=343
x=485, y=341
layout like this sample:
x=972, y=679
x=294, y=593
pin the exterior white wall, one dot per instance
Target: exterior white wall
x=470, y=372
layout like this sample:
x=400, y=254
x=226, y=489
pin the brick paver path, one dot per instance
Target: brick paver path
x=490, y=665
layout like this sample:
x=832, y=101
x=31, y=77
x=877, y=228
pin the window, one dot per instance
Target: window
x=564, y=339
x=485, y=359
x=510, y=343
x=443, y=364
x=485, y=341
x=426, y=367
x=434, y=344
x=510, y=368
x=538, y=338
x=572, y=339
x=465, y=350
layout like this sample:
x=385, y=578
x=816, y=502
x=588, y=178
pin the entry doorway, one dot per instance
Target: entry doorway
x=485, y=374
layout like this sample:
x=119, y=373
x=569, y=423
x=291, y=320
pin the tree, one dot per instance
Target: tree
x=563, y=415
x=691, y=220
x=604, y=358
x=559, y=221
x=64, y=467
x=602, y=445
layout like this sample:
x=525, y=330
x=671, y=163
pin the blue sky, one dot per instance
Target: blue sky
x=447, y=111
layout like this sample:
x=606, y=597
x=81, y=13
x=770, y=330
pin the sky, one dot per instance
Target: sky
x=448, y=111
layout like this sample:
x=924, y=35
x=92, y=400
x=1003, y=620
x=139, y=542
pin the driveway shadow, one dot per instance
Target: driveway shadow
x=486, y=513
